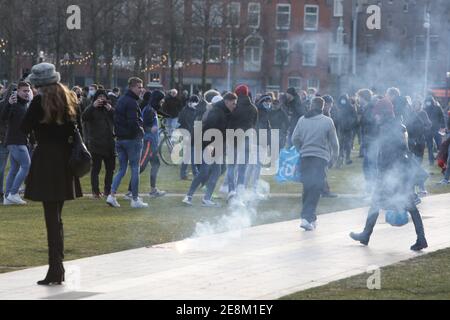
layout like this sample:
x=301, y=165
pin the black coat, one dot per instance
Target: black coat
x=295, y=110
x=50, y=178
x=436, y=116
x=397, y=171
x=245, y=115
x=100, y=127
x=172, y=106
x=13, y=115
x=187, y=119
x=218, y=118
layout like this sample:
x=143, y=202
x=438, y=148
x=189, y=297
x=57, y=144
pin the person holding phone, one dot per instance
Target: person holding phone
x=99, y=121
x=17, y=142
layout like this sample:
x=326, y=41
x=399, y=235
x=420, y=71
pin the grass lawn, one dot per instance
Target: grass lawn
x=92, y=228
x=423, y=278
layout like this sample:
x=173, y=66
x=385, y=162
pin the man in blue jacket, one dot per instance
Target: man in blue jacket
x=128, y=126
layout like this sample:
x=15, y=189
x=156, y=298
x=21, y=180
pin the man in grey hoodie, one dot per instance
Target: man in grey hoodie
x=316, y=139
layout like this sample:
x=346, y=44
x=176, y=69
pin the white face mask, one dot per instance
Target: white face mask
x=92, y=92
x=428, y=103
x=343, y=102
x=267, y=105
x=192, y=105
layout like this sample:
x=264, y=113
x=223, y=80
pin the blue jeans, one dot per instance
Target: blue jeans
x=128, y=152
x=208, y=173
x=20, y=166
x=184, y=166
x=3, y=161
x=433, y=137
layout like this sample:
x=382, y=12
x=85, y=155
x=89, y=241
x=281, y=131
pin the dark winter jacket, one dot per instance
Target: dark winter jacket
x=13, y=115
x=172, y=106
x=50, y=178
x=245, y=116
x=295, y=110
x=418, y=124
x=368, y=123
x=128, y=124
x=347, y=116
x=187, y=118
x=100, y=127
x=279, y=120
x=436, y=115
x=218, y=118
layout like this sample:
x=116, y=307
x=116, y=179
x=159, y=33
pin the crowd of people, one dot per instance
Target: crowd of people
x=38, y=117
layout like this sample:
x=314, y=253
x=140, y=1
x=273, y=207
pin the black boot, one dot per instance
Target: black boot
x=421, y=242
x=364, y=237
x=55, y=276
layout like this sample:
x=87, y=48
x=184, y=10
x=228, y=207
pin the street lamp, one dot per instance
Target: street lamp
x=427, y=26
x=446, y=90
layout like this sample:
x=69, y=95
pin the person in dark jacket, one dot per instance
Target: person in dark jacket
x=17, y=143
x=50, y=180
x=172, y=106
x=395, y=177
x=295, y=109
x=436, y=115
x=279, y=119
x=128, y=127
x=347, y=123
x=114, y=96
x=243, y=118
x=369, y=135
x=187, y=121
x=99, y=121
x=218, y=119
x=151, y=143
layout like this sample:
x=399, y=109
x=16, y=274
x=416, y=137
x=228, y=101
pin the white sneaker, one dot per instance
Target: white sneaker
x=138, y=204
x=231, y=195
x=187, y=200
x=306, y=225
x=444, y=182
x=16, y=199
x=210, y=204
x=128, y=196
x=314, y=224
x=112, y=201
x=6, y=202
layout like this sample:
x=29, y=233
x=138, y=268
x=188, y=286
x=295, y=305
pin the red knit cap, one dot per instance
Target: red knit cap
x=384, y=108
x=242, y=90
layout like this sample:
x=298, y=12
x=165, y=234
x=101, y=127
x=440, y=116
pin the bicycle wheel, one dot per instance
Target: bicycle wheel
x=165, y=151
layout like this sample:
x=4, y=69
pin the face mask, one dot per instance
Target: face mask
x=92, y=92
x=429, y=104
x=343, y=102
x=193, y=105
x=267, y=105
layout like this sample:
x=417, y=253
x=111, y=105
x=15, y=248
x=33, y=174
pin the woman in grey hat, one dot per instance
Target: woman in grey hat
x=52, y=117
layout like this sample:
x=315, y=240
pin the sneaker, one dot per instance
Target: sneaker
x=314, y=224
x=231, y=196
x=16, y=199
x=187, y=200
x=157, y=194
x=210, y=204
x=306, y=225
x=128, y=196
x=6, y=202
x=444, y=182
x=112, y=201
x=138, y=204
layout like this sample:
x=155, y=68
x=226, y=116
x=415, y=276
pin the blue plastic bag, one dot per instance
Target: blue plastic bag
x=397, y=218
x=289, y=166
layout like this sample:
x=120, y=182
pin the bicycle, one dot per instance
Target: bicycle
x=167, y=143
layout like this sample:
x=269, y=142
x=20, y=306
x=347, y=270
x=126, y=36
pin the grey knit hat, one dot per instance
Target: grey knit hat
x=43, y=74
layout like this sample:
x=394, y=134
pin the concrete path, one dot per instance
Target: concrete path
x=265, y=262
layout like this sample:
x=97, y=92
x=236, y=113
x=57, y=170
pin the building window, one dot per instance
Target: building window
x=406, y=6
x=338, y=8
x=295, y=82
x=198, y=13
x=197, y=49
x=234, y=14
x=283, y=16
x=282, y=52
x=311, y=17
x=314, y=83
x=216, y=15
x=233, y=49
x=254, y=14
x=253, y=54
x=214, y=50
x=310, y=54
